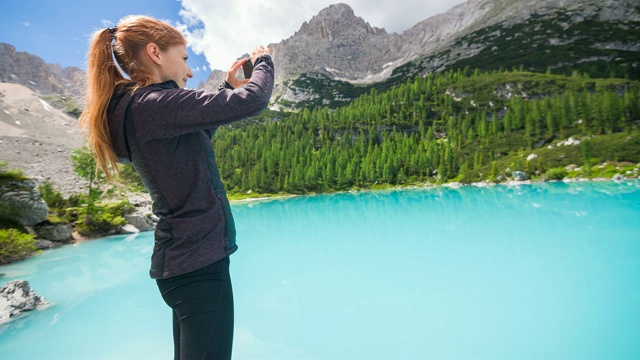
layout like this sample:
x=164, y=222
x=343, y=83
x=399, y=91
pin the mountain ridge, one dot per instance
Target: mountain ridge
x=435, y=44
x=30, y=70
x=336, y=55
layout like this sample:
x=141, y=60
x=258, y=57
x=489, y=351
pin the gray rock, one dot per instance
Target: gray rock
x=142, y=218
x=43, y=244
x=17, y=297
x=19, y=201
x=520, y=176
x=129, y=229
x=618, y=178
x=54, y=232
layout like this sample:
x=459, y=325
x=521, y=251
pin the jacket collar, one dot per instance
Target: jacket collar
x=169, y=84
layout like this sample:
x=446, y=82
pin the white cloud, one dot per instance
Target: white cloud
x=107, y=23
x=27, y=24
x=225, y=30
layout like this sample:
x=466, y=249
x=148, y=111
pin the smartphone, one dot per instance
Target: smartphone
x=247, y=68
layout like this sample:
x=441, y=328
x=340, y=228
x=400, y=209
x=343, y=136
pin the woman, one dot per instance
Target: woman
x=165, y=130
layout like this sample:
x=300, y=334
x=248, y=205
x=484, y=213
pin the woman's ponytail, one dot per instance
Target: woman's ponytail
x=123, y=44
x=102, y=78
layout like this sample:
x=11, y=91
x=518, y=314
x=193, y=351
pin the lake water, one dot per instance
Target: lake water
x=543, y=271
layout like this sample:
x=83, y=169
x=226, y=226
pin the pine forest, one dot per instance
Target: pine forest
x=455, y=126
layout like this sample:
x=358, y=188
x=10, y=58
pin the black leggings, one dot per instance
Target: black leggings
x=202, y=303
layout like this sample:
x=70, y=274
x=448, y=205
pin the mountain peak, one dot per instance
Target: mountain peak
x=337, y=21
x=337, y=11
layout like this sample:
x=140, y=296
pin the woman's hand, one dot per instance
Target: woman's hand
x=231, y=74
x=257, y=52
x=237, y=65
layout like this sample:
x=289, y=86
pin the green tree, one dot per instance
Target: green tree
x=52, y=197
x=84, y=165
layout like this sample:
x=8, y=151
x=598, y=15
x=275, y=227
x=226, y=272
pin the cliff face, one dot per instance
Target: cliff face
x=31, y=71
x=336, y=42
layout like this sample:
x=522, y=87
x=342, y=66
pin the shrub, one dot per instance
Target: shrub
x=556, y=173
x=52, y=197
x=100, y=218
x=15, y=245
x=10, y=174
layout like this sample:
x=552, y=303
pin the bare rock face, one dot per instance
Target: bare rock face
x=337, y=41
x=17, y=297
x=31, y=71
x=212, y=84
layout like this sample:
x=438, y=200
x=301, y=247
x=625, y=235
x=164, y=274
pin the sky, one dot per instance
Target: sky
x=217, y=31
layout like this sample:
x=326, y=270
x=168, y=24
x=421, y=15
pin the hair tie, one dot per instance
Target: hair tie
x=112, y=30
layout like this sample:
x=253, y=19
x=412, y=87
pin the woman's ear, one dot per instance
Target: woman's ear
x=153, y=52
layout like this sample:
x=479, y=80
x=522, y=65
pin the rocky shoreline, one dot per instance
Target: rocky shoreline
x=22, y=203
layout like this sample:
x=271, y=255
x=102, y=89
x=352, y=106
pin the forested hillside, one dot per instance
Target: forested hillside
x=453, y=126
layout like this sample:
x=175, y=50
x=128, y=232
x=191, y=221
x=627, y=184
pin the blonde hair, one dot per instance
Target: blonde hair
x=126, y=43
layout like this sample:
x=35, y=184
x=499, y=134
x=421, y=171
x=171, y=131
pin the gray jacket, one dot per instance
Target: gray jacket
x=165, y=132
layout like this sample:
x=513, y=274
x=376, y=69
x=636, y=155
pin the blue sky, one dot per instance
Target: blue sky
x=218, y=31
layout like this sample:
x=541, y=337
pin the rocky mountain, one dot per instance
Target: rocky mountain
x=337, y=42
x=536, y=34
x=22, y=68
x=213, y=82
x=336, y=55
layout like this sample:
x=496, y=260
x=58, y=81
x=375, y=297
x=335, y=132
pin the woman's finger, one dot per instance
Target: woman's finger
x=236, y=65
x=259, y=51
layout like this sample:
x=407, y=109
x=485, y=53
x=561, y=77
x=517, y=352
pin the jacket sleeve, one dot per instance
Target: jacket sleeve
x=172, y=112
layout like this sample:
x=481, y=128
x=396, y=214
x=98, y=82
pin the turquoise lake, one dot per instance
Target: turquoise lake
x=542, y=271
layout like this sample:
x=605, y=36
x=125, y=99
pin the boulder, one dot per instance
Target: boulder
x=572, y=141
x=142, y=218
x=54, y=232
x=129, y=229
x=43, y=244
x=520, y=176
x=17, y=297
x=21, y=203
x=618, y=178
